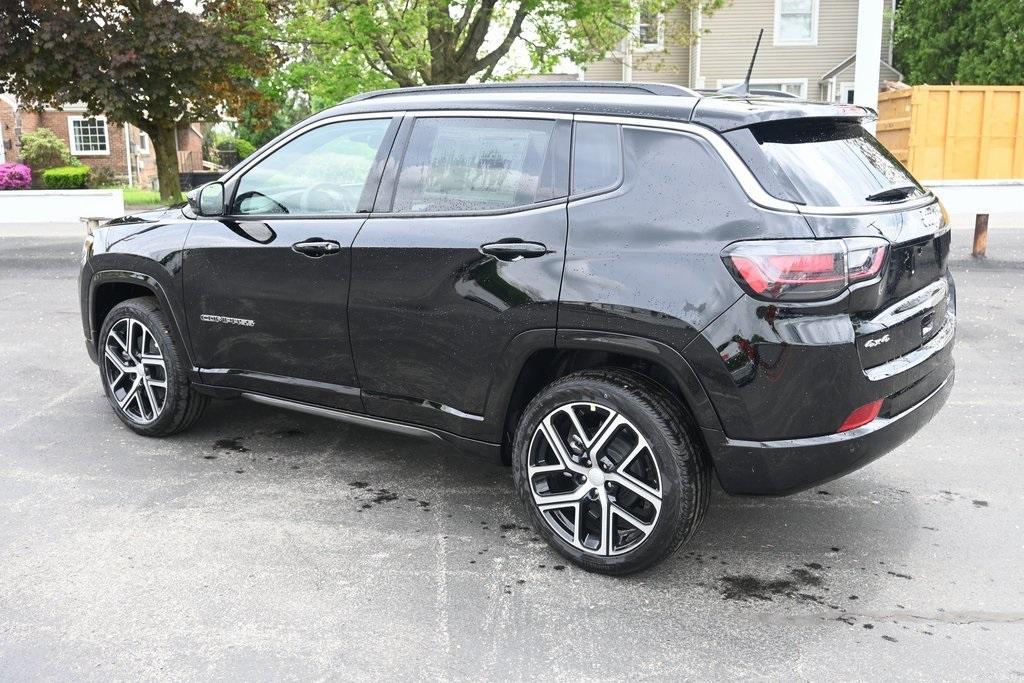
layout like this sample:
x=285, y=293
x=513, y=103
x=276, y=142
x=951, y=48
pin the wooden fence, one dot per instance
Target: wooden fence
x=960, y=132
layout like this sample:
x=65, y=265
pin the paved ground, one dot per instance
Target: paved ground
x=249, y=548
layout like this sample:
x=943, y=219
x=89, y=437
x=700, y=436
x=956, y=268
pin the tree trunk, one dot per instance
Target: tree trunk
x=166, y=149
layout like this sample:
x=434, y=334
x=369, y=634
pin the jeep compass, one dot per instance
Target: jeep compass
x=620, y=289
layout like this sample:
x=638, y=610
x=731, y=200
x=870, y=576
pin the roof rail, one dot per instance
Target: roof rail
x=665, y=89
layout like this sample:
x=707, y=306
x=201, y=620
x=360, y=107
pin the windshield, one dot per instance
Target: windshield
x=824, y=164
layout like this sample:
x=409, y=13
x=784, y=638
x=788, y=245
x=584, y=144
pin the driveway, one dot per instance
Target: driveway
x=272, y=545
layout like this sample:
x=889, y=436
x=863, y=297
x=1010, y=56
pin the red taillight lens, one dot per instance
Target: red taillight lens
x=861, y=416
x=804, y=270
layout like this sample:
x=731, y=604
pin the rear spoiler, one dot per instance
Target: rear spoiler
x=728, y=113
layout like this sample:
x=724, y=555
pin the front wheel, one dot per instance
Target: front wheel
x=606, y=466
x=144, y=373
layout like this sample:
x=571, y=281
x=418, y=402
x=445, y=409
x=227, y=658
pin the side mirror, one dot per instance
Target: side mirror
x=208, y=200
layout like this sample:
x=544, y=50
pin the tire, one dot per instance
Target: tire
x=137, y=355
x=637, y=455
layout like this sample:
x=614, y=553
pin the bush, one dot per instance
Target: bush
x=244, y=147
x=219, y=143
x=66, y=177
x=42, y=149
x=15, y=177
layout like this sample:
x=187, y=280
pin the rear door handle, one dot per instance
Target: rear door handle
x=513, y=251
x=315, y=247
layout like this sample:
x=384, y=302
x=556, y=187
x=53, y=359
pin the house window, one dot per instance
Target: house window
x=88, y=135
x=796, y=22
x=796, y=86
x=143, y=143
x=649, y=32
x=846, y=91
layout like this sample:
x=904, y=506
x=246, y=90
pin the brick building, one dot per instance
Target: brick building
x=124, y=150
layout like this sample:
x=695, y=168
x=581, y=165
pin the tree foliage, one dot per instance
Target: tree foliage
x=150, y=63
x=976, y=42
x=340, y=47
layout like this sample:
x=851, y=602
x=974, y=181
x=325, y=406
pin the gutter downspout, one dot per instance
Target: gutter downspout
x=128, y=153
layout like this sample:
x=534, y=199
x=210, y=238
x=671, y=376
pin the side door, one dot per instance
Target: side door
x=266, y=285
x=464, y=252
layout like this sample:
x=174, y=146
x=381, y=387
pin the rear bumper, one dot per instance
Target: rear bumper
x=789, y=465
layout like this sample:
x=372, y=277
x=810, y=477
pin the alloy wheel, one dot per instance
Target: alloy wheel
x=135, y=370
x=594, y=479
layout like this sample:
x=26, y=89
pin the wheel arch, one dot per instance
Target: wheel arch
x=575, y=350
x=108, y=288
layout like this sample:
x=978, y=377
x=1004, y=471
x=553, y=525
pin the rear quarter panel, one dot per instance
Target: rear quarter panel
x=644, y=259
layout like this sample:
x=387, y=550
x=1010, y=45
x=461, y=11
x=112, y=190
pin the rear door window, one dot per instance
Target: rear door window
x=823, y=163
x=455, y=164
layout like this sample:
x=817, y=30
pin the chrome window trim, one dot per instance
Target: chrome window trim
x=260, y=155
x=751, y=186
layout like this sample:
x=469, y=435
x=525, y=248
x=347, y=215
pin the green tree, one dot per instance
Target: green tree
x=977, y=42
x=150, y=63
x=340, y=47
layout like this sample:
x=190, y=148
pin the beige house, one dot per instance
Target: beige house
x=808, y=48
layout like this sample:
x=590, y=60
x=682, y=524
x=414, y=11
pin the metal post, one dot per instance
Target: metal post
x=980, y=234
x=869, y=49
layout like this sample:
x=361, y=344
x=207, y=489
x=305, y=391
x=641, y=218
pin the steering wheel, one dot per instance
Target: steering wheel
x=341, y=198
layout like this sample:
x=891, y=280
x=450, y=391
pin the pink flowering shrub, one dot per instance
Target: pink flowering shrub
x=15, y=177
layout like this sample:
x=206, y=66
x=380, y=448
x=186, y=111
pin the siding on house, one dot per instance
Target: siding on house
x=668, y=65
x=727, y=43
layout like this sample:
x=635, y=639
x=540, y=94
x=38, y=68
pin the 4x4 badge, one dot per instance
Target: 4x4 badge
x=872, y=343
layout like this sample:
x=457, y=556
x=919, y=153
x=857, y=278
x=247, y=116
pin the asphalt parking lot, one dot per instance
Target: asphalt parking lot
x=272, y=545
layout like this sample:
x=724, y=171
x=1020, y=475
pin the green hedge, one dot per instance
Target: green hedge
x=66, y=177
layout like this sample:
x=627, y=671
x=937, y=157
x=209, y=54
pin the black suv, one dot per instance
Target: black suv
x=618, y=288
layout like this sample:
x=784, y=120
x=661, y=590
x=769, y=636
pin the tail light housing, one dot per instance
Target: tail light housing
x=861, y=416
x=804, y=270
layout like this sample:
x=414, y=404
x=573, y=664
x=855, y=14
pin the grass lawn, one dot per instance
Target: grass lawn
x=136, y=197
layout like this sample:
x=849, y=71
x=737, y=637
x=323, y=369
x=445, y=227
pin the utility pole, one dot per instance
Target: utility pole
x=869, y=52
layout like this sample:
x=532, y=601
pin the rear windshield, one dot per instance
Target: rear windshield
x=823, y=163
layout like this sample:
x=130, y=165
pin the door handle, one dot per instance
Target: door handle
x=314, y=247
x=508, y=250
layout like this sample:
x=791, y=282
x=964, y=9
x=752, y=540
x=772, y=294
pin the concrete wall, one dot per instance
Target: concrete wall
x=58, y=206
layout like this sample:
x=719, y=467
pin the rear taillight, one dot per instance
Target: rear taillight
x=804, y=270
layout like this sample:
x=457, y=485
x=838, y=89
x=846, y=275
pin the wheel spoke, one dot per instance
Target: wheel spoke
x=150, y=397
x=130, y=338
x=606, y=524
x=638, y=487
x=621, y=467
x=555, y=441
x=115, y=359
x=644, y=527
x=606, y=432
x=556, y=500
x=130, y=394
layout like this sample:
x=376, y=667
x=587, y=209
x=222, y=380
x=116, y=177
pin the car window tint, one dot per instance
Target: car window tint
x=823, y=163
x=319, y=172
x=597, y=157
x=477, y=164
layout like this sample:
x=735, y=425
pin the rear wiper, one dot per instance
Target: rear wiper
x=891, y=194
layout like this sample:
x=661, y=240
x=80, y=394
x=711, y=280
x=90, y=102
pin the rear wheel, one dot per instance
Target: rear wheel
x=607, y=468
x=143, y=372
